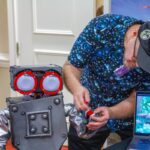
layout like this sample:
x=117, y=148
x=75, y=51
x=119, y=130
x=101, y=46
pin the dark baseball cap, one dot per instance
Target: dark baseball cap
x=143, y=56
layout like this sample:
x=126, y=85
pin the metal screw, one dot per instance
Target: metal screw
x=14, y=108
x=32, y=117
x=49, y=107
x=45, y=129
x=33, y=130
x=45, y=116
x=57, y=101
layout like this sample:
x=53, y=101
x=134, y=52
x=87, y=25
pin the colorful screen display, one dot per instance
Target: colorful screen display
x=143, y=114
x=136, y=8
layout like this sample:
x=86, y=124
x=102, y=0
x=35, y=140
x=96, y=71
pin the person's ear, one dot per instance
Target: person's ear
x=134, y=33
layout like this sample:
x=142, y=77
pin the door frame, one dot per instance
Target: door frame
x=11, y=36
x=11, y=30
x=107, y=6
x=11, y=11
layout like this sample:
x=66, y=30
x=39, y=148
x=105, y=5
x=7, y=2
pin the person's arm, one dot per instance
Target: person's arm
x=72, y=82
x=81, y=55
x=124, y=109
x=71, y=76
x=78, y=58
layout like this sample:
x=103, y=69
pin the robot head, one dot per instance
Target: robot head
x=36, y=79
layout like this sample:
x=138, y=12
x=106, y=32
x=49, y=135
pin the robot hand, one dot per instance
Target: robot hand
x=4, y=128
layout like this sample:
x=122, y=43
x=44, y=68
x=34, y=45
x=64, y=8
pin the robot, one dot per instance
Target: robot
x=35, y=120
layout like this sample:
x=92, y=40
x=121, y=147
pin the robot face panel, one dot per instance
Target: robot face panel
x=36, y=80
x=36, y=124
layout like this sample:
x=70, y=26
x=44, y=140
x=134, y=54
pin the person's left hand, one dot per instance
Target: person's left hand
x=100, y=120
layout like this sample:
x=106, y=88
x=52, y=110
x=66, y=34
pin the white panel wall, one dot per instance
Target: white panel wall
x=57, y=15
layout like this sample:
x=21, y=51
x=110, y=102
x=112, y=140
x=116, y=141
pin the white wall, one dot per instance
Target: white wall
x=4, y=71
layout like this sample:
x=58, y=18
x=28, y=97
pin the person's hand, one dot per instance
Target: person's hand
x=101, y=119
x=81, y=98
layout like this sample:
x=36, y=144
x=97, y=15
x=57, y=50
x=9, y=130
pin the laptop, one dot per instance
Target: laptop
x=141, y=135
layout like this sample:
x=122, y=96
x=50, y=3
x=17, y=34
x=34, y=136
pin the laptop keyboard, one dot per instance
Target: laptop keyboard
x=144, y=141
x=141, y=144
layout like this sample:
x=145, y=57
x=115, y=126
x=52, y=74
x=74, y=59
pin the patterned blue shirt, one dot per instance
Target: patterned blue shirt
x=99, y=51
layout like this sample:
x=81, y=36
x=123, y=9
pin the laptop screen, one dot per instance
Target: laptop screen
x=142, y=116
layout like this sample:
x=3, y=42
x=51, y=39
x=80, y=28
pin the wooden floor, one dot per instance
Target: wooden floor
x=9, y=147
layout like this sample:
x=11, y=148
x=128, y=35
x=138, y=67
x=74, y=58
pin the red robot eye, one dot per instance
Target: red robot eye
x=51, y=83
x=25, y=82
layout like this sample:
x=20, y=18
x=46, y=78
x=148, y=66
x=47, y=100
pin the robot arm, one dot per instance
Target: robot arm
x=4, y=128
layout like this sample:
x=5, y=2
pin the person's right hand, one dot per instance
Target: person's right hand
x=81, y=98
